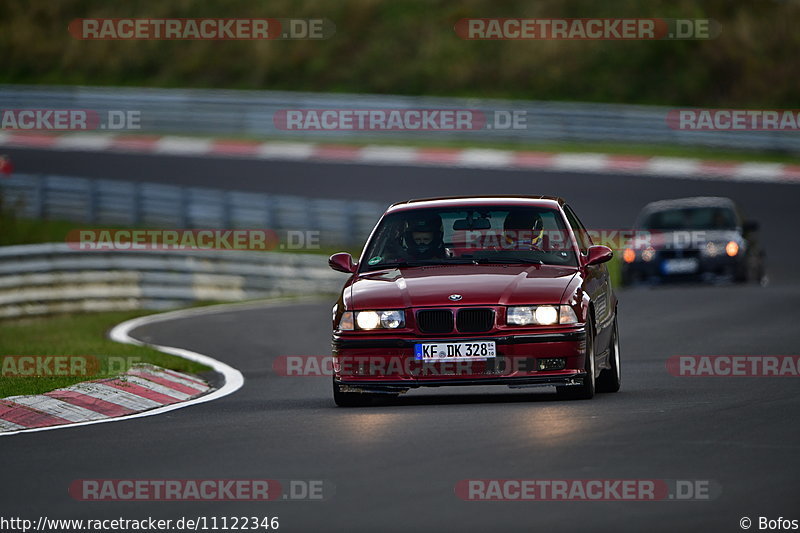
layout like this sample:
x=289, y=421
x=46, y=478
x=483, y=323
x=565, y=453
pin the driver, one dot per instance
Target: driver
x=423, y=238
x=523, y=230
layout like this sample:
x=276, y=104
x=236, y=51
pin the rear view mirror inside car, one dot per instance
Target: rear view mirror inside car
x=463, y=224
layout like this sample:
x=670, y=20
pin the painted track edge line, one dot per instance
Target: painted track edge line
x=120, y=333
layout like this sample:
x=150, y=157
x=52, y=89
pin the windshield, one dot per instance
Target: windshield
x=491, y=234
x=692, y=218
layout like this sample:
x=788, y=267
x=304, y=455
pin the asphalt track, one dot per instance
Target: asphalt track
x=394, y=467
x=602, y=201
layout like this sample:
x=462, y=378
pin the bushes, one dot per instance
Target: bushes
x=409, y=47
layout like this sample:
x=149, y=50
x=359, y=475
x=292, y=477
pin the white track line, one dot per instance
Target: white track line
x=86, y=141
x=658, y=167
x=388, y=155
x=285, y=150
x=673, y=166
x=183, y=146
x=757, y=171
x=485, y=158
x=121, y=333
x=581, y=162
x=233, y=378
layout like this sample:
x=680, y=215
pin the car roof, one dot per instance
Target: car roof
x=552, y=202
x=694, y=201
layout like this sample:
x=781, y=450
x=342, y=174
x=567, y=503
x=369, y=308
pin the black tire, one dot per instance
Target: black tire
x=763, y=278
x=626, y=277
x=610, y=379
x=586, y=390
x=358, y=399
x=742, y=273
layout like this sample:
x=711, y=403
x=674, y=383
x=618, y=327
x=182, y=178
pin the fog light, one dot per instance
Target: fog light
x=553, y=363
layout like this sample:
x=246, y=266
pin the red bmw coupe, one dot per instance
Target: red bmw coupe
x=475, y=291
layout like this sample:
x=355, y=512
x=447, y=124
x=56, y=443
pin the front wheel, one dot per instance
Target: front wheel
x=610, y=378
x=586, y=390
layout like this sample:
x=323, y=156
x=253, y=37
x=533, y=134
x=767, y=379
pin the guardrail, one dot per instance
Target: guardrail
x=142, y=204
x=228, y=112
x=53, y=278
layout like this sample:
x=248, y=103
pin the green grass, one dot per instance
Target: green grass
x=31, y=231
x=78, y=335
x=615, y=270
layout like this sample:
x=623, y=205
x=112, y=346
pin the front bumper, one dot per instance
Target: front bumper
x=387, y=386
x=713, y=267
x=386, y=364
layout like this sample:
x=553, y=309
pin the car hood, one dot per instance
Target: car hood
x=477, y=284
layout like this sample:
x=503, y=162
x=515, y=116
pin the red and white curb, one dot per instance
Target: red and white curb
x=141, y=388
x=669, y=167
x=145, y=390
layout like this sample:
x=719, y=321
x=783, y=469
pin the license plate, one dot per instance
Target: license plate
x=454, y=351
x=686, y=265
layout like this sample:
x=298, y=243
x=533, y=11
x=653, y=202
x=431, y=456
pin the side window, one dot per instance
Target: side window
x=582, y=236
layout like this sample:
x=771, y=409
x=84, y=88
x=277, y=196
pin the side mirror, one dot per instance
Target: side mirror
x=342, y=262
x=749, y=226
x=598, y=254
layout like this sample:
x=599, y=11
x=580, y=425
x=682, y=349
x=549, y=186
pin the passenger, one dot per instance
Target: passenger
x=523, y=230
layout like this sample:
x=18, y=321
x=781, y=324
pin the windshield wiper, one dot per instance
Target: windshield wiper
x=421, y=263
x=397, y=264
x=508, y=260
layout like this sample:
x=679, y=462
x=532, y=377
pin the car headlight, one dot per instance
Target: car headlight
x=391, y=319
x=545, y=315
x=629, y=255
x=540, y=315
x=368, y=320
x=711, y=249
x=648, y=254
